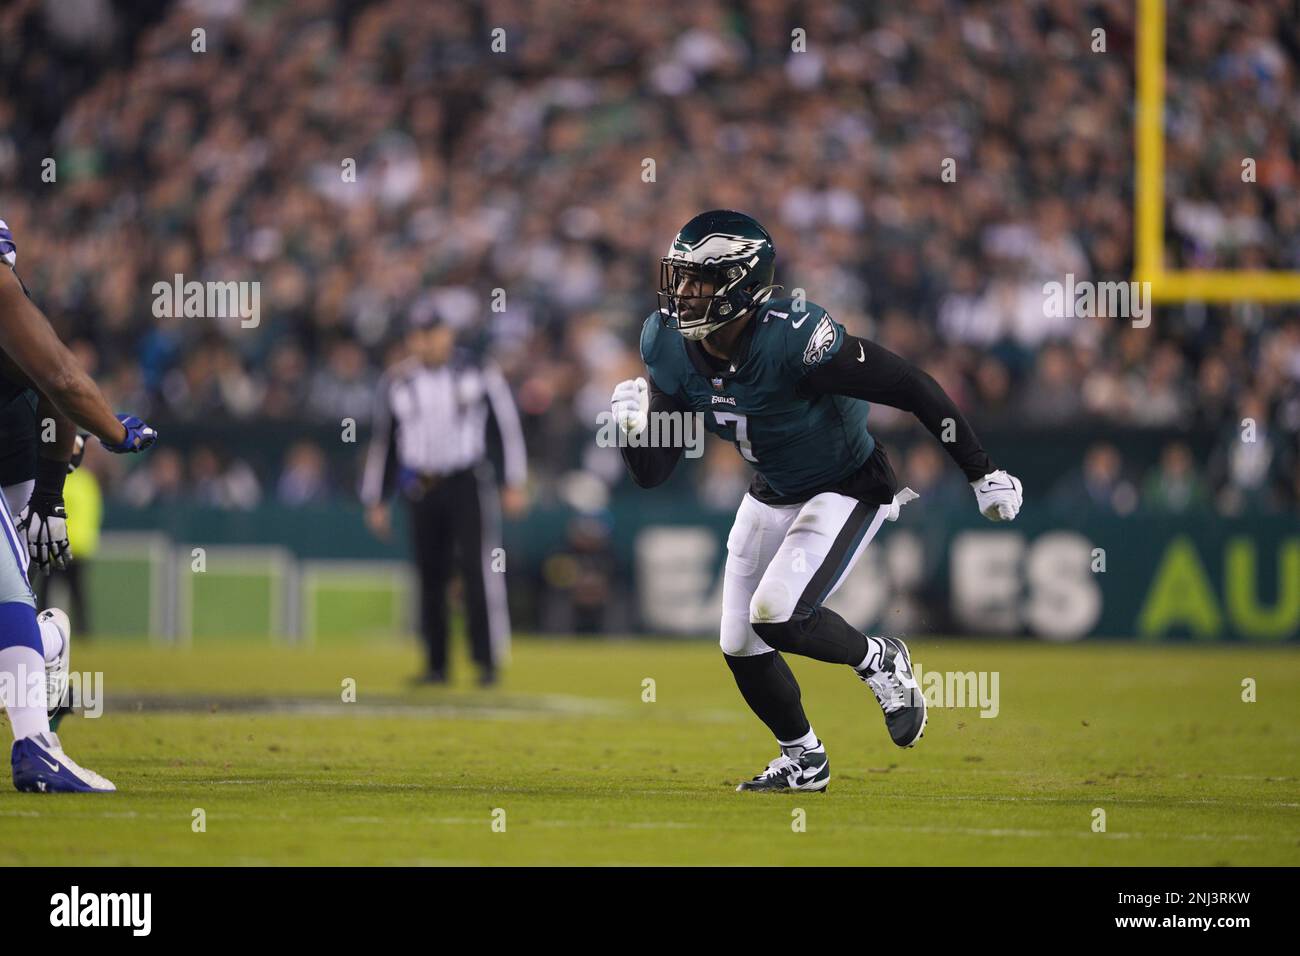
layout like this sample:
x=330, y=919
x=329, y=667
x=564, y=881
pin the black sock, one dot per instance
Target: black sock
x=822, y=635
x=768, y=686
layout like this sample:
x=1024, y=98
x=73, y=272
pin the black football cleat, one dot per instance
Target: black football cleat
x=795, y=769
x=898, y=692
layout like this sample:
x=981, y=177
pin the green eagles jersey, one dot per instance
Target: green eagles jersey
x=796, y=441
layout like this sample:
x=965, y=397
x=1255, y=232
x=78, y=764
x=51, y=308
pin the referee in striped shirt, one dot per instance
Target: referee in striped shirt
x=431, y=423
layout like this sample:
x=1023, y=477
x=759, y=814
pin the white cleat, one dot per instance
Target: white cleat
x=56, y=671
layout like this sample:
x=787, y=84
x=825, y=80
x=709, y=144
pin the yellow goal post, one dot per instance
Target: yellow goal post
x=1149, y=238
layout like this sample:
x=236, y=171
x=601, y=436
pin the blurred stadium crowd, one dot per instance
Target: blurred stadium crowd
x=524, y=170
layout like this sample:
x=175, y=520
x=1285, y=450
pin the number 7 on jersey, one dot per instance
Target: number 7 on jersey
x=741, y=423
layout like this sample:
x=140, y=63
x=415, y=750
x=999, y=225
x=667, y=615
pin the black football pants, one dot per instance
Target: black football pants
x=454, y=530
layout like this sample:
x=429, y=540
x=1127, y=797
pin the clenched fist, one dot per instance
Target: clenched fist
x=999, y=496
x=631, y=406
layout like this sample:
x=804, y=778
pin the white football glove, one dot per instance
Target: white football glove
x=45, y=525
x=631, y=406
x=999, y=496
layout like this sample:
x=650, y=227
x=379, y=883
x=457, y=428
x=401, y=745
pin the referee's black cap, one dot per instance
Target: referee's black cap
x=424, y=314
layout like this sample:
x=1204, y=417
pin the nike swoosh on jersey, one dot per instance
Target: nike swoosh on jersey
x=862, y=353
x=795, y=325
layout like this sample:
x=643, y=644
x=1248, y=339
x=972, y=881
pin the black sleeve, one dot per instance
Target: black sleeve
x=652, y=466
x=862, y=369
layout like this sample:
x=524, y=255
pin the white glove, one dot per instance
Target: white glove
x=999, y=496
x=631, y=406
x=45, y=525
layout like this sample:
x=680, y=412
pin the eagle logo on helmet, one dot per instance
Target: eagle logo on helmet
x=715, y=247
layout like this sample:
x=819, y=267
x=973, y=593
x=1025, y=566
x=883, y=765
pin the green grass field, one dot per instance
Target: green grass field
x=586, y=772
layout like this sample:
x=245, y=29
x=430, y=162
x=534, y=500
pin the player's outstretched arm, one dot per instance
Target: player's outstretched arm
x=865, y=370
x=29, y=340
x=633, y=402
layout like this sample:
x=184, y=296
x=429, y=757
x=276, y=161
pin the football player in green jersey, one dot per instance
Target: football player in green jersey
x=791, y=388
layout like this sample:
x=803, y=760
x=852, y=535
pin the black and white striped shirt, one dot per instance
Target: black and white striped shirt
x=433, y=421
